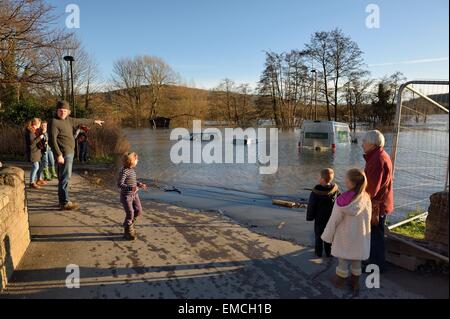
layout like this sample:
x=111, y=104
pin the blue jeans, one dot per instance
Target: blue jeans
x=36, y=172
x=64, y=175
x=377, y=248
x=48, y=160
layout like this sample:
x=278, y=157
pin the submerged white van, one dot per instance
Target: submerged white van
x=324, y=135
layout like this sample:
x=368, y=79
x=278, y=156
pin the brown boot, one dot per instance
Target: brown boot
x=34, y=186
x=69, y=206
x=354, y=283
x=41, y=182
x=338, y=282
x=129, y=233
x=133, y=231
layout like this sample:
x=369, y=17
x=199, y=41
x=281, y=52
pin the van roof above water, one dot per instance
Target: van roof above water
x=324, y=122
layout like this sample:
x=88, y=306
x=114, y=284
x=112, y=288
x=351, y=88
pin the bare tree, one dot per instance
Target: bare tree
x=223, y=101
x=90, y=78
x=285, y=79
x=157, y=74
x=268, y=86
x=128, y=80
x=357, y=94
x=246, y=104
x=85, y=69
x=346, y=59
x=393, y=83
x=232, y=102
x=26, y=34
x=318, y=50
x=339, y=57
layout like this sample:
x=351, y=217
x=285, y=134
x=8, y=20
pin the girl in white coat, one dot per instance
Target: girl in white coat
x=348, y=229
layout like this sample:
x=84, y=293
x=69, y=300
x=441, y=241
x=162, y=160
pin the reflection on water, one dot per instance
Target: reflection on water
x=299, y=170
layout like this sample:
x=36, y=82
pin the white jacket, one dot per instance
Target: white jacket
x=349, y=229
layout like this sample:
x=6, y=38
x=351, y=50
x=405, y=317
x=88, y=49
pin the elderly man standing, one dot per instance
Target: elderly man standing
x=62, y=143
x=380, y=187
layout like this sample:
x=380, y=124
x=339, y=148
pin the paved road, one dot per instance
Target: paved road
x=180, y=253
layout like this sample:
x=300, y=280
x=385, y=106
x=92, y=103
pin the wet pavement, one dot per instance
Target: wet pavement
x=181, y=253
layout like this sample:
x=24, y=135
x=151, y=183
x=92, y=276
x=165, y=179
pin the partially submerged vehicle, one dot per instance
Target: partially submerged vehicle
x=323, y=135
x=203, y=137
x=245, y=141
x=160, y=122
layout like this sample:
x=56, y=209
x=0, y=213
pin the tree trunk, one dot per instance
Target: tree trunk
x=327, y=98
x=336, y=83
x=87, y=96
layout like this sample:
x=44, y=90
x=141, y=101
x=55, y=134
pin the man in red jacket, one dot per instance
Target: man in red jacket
x=380, y=188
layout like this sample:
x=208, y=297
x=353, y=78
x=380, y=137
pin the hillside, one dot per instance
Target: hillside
x=180, y=103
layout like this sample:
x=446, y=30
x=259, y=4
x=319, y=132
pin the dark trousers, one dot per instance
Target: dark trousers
x=320, y=244
x=133, y=208
x=377, y=248
x=82, y=149
x=64, y=175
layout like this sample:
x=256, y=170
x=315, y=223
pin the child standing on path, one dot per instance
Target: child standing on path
x=129, y=197
x=48, y=159
x=349, y=229
x=320, y=206
x=83, y=142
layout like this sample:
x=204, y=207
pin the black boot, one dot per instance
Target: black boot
x=318, y=247
x=328, y=250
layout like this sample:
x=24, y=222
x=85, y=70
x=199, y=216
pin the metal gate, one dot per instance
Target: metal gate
x=420, y=149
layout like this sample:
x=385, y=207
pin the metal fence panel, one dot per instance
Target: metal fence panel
x=421, y=145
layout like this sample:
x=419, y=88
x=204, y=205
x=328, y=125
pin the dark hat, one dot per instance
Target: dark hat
x=62, y=105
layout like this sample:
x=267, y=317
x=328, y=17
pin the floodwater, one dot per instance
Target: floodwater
x=421, y=169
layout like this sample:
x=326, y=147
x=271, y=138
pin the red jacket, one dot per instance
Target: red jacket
x=380, y=181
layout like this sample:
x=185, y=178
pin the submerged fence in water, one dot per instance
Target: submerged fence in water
x=421, y=144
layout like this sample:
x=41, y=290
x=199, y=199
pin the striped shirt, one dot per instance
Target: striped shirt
x=127, y=180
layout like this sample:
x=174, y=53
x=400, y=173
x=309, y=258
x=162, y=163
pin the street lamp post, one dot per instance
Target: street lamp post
x=314, y=72
x=70, y=60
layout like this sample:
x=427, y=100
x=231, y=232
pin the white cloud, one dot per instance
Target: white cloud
x=419, y=61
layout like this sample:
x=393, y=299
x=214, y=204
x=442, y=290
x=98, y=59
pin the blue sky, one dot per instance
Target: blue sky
x=206, y=41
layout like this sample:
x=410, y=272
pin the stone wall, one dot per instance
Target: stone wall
x=14, y=226
x=437, y=221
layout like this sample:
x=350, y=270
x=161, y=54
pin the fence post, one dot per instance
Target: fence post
x=398, y=118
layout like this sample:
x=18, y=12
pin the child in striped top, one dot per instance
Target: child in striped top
x=129, y=197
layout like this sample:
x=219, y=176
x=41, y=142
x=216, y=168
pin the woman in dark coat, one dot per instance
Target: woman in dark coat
x=34, y=145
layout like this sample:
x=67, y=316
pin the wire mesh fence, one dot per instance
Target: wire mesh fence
x=421, y=145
